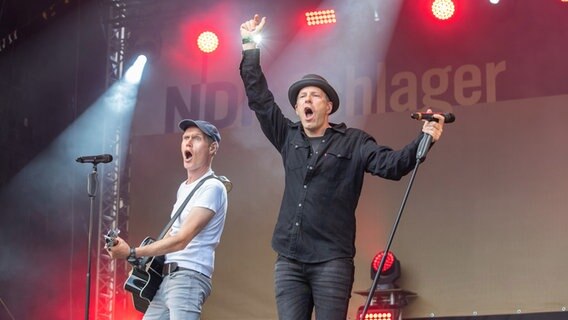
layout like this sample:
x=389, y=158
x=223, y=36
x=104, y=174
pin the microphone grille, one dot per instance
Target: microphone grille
x=449, y=118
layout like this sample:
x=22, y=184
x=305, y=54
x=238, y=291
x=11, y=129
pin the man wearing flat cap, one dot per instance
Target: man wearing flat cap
x=324, y=166
x=189, y=246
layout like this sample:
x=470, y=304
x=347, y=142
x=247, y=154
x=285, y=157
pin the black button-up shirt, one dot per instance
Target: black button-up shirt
x=317, y=215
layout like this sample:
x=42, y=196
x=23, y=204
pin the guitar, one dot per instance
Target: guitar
x=144, y=278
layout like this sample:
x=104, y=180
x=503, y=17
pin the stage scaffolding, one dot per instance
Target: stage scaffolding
x=110, y=299
x=128, y=24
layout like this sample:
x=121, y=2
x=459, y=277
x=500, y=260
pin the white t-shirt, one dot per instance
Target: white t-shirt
x=199, y=254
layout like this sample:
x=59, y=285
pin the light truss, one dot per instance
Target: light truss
x=110, y=298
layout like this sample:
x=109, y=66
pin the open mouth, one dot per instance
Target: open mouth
x=187, y=155
x=308, y=112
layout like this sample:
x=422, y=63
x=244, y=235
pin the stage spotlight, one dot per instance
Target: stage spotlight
x=320, y=17
x=443, y=9
x=145, y=43
x=494, y=1
x=390, y=273
x=207, y=42
x=378, y=313
x=134, y=73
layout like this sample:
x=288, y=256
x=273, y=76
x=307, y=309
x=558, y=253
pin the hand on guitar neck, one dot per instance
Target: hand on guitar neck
x=117, y=248
x=146, y=275
x=110, y=238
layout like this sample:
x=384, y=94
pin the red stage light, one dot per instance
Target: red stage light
x=443, y=9
x=388, y=262
x=320, y=17
x=377, y=313
x=207, y=42
x=390, y=272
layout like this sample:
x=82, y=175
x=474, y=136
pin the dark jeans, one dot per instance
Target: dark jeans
x=302, y=286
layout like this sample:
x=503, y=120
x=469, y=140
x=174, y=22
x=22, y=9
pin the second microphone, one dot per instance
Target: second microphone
x=429, y=116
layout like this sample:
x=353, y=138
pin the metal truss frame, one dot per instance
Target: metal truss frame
x=110, y=298
x=125, y=18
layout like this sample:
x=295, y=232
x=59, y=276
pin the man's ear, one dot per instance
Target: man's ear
x=329, y=107
x=213, y=147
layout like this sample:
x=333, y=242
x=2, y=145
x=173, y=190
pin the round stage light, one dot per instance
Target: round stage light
x=443, y=9
x=207, y=41
x=388, y=262
x=390, y=272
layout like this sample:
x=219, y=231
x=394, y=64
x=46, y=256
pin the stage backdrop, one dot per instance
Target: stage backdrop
x=483, y=231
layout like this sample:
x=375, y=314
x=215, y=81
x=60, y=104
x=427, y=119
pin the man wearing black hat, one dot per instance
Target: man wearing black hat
x=189, y=246
x=324, y=167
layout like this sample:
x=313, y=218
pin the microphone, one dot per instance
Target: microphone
x=101, y=158
x=429, y=116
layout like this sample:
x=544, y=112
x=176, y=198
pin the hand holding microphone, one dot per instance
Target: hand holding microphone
x=432, y=127
x=433, y=122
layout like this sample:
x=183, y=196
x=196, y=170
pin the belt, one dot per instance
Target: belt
x=173, y=267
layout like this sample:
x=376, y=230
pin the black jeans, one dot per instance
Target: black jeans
x=302, y=286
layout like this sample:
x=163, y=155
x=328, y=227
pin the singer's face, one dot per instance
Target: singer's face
x=313, y=108
x=196, y=149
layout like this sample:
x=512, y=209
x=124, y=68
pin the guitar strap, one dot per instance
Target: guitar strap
x=182, y=206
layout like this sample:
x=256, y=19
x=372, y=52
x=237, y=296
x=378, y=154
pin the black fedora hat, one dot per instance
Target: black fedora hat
x=316, y=81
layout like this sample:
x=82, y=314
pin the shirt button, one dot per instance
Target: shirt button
x=296, y=146
x=323, y=140
x=305, y=186
x=297, y=224
x=310, y=167
x=316, y=152
x=299, y=204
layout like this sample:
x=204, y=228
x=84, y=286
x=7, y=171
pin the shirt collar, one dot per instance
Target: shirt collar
x=339, y=127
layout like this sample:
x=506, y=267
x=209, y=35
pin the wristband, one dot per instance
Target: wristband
x=248, y=40
x=132, y=256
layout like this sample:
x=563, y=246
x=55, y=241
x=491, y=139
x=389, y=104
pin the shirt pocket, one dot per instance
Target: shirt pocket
x=336, y=164
x=297, y=157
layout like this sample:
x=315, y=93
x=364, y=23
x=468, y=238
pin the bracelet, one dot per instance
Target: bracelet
x=132, y=256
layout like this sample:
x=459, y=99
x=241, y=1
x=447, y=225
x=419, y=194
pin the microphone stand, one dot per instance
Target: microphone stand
x=423, y=148
x=91, y=191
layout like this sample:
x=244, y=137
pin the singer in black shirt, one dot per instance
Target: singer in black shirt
x=324, y=167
